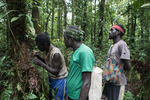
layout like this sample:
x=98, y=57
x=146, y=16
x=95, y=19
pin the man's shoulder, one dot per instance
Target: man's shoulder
x=55, y=50
x=121, y=43
x=85, y=48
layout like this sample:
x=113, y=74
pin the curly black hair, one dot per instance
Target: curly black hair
x=43, y=38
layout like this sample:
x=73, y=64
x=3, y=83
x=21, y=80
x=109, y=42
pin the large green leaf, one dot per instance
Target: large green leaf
x=32, y=96
x=145, y=5
x=30, y=21
x=1, y=61
x=3, y=14
x=14, y=19
x=138, y=75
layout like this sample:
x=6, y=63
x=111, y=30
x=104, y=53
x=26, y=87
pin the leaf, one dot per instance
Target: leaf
x=30, y=21
x=1, y=61
x=32, y=96
x=138, y=75
x=14, y=19
x=144, y=5
x=32, y=30
x=120, y=15
x=18, y=87
x=21, y=15
x=2, y=4
x=3, y=14
x=124, y=4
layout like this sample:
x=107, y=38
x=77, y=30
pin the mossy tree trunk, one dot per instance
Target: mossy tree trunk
x=24, y=74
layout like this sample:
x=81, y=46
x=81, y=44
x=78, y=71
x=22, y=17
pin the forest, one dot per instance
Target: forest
x=22, y=20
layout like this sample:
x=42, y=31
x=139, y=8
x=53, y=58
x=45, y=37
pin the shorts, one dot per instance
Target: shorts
x=114, y=92
x=60, y=85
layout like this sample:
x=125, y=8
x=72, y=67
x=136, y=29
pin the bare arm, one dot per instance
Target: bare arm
x=127, y=65
x=56, y=64
x=86, y=77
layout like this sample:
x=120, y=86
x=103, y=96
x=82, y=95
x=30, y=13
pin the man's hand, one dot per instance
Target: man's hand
x=35, y=53
x=127, y=65
x=38, y=62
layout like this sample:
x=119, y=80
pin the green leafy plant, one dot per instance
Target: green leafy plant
x=128, y=96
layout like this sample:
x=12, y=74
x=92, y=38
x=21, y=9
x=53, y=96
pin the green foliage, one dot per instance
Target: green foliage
x=6, y=94
x=3, y=14
x=30, y=21
x=128, y=13
x=54, y=91
x=128, y=96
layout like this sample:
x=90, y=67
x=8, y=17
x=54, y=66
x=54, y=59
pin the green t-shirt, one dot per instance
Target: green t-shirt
x=82, y=60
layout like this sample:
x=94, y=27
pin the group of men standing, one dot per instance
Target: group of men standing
x=75, y=85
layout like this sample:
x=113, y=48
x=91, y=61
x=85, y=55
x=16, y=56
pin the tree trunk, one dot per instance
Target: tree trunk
x=91, y=24
x=72, y=12
x=52, y=21
x=23, y=71
x=101, y=17
x=84, y=20
x=49, y=13
x=65, y=14
x=59, y=21
x=95, y=23
x=35, y=16
x=65, y=25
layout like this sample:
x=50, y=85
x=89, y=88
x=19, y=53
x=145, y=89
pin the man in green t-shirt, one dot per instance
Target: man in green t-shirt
x=81, y=64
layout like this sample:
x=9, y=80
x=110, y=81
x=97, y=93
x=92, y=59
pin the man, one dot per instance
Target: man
x=81, y=64
x=54, y=63
x=120, y=54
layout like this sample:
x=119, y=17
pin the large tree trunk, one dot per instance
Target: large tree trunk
x=65, y=14
x=59, y=28
x=101, y=17
x=24, y=73
x=35, y=16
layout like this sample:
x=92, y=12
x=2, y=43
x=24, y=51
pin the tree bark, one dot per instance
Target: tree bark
x=101, y=17
x=72, y=12
x=84, y=19
x=59, y=21
x=52, y=30
x=35, y=16
x=95, y=23
x=65, y=14
x=19, y=49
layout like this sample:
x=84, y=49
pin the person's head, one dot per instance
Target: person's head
x=72, y=33
x=42, y=41
x=116, y=30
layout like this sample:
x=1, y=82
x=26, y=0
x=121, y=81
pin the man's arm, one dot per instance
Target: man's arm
x=86, y=77
x=56, y=64
x=127, y=65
